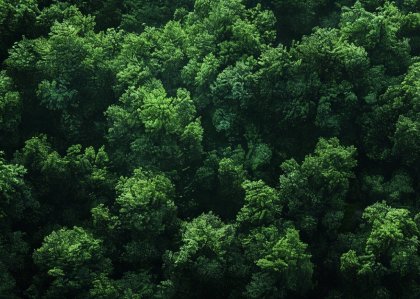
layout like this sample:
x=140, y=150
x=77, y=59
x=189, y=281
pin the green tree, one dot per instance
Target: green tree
x=315, y=190
x=67, y=186
x=378, y=32
x=262, y=205
x=294, y=18
x=17, y=17
x=387, y=263
x=15, y=203
x=148, y=128
x=391, y=127
x=199, y=267
x=70, y=260
x=284, y=268
x=216, y=185
x=398, y=190
x=138, y=14
x=10, y=112
x=142, y=223
x=64, y=74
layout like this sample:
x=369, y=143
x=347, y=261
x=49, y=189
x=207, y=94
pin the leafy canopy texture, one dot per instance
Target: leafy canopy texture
x=257, y=149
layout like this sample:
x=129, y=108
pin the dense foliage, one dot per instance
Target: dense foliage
x=209, y=149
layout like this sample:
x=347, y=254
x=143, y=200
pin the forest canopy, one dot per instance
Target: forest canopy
x=157, y=149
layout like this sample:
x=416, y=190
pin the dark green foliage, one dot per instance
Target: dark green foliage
x=209, y=149
x=10, y=112
x=16, y=203
x=66, y=186
x=17, y=18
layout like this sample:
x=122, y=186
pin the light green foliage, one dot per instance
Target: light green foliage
x=66, y=49
x=69, y=69
x=411, y=84
x=157, y=53
x=283, y=265
x=316, y=189
x=407, y=139
x=204, y=231
x=87, y=170
x=12, y=11
x=66, y=250
x=16, y=17
x=200, y=263
x=411, y=25
x=316, y=80
x=143, y=143
x=57, y=12
x=38, y=155
x=288, y=257
x=262, y=205
x=390, y=249
x=232, y=93
x=150, y=128
x=145, y=202
x=170, y=115
x=15, y=196
x=231, y=173
x=72, y=258
x=142, y=220
x=89, y=165
x=407, y=129
x=378, y=34
x=329, y=55
x=397, y=137
x=107, y=13
x=218, y=34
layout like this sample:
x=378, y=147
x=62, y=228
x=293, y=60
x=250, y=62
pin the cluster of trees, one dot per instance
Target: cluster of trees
x=209, y=149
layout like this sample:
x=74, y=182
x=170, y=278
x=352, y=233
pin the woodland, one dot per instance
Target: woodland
x=193, y=149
